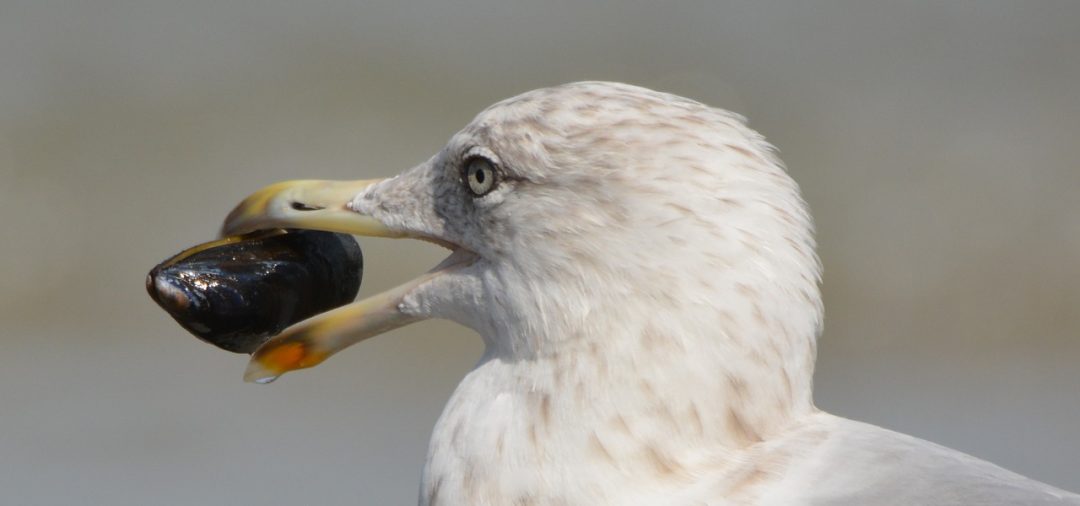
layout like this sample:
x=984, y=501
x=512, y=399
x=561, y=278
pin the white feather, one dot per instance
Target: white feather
x=648, y=294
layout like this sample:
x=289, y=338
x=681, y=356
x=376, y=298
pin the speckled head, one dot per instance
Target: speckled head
x=574, y=210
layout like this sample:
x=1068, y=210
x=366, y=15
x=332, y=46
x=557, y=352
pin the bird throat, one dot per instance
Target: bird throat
x=639, y=400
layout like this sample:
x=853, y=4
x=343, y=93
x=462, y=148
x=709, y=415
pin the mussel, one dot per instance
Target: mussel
x=238, y=292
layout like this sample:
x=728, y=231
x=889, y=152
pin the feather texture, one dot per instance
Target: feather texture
x=647, y=290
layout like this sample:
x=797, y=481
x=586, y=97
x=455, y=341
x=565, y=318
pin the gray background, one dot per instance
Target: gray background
x=937, y=143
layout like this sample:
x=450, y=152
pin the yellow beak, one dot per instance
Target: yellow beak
x=311, y=204
x=318, y=205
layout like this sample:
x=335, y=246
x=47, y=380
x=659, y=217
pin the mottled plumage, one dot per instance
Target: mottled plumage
x=645, y=280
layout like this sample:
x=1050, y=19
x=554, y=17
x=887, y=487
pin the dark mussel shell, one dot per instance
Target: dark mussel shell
x=238, y=292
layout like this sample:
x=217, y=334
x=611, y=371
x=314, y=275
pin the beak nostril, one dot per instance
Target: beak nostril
x=300, y=206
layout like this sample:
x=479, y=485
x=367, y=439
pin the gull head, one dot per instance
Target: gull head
x=586, y=215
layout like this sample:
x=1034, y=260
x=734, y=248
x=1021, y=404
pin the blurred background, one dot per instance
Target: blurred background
x=937, y=145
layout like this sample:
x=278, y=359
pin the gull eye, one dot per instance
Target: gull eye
x=480, y=175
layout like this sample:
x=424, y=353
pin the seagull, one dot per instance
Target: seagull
x=643, y=273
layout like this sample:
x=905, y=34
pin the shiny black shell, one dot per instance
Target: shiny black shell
x=238, y=292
